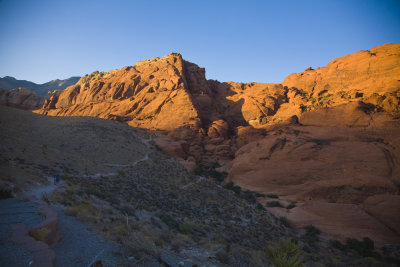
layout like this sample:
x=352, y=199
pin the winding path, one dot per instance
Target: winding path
x=77, y=246
x=146, y=157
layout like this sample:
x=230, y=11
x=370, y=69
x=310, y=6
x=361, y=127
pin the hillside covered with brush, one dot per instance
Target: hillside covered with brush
x=117, y=182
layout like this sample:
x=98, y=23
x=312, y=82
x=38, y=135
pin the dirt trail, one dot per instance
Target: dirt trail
x=77, y=247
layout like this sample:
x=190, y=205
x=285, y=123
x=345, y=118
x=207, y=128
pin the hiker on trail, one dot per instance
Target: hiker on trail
x=57, y=178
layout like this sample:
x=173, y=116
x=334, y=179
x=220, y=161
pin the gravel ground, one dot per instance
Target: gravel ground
x=78, y=246
x=14, y=211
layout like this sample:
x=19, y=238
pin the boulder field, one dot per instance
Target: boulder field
x=326, y=140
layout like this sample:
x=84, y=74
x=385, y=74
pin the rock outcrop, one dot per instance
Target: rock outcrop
x=20, y=98
x=328, y=135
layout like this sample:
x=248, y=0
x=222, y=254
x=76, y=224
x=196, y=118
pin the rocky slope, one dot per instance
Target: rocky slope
x=324, y=136
x=10, y=83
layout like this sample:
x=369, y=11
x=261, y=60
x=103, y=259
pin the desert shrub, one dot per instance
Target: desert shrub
x=260, y=207
x=249, y=196
x=272, y=195
x=70, y=191
x=234, y=188
x=284, y=221
x=303, y=93
x=168, y=220
x=274, y=204
x=312, y=234
x=198, y=171
x=321, y=142
x=5, y=193
x=343, y=94
x=121, y=172
x=337, y=244
x=291, y=205
x=127, y=209
x=185, y=227
x=326, y=98
x=40, y=234
x=83, y=212
x=140, y=245
x=222, y=257
x=285, y=254
x=45, y=198
x=218, y=176
x=312, y=230
x=229, y=185
x=365, y=247
x=304, y=108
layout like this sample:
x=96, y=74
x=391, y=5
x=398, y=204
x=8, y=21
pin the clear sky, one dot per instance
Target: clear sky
x=240, y=41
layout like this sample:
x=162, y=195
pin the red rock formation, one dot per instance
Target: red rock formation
x=329, y=134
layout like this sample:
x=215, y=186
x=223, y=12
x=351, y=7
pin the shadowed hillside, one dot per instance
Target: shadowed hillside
x=125, y=189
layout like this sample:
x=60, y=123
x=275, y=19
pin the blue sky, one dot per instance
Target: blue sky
x=242, y=41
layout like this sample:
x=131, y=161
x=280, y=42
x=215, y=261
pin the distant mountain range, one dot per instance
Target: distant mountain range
x=9, y=83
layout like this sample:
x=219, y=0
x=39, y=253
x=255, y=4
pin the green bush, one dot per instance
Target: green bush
x=272, y=195
x=312, y=234
x=365, y=247
x=249, y=196
x=185, y=227
x=284, y=221
x=304, y=108
x=274, y=204
x=45, y=198
x=5, y=193
x=337, y=244
x=291, y=205
x=260, y=207
x=303, y=93
x=321, y=142
x=234, y=188
x=260, y=194
x=218, y=176
x=222, y=257
x=285, y=254
x=168, y=220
